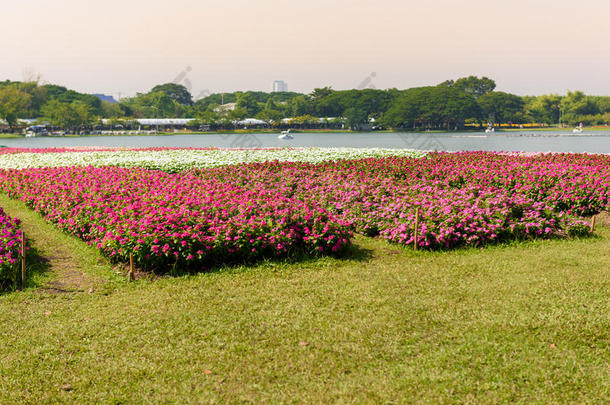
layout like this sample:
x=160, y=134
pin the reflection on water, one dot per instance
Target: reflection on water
x=544, y=141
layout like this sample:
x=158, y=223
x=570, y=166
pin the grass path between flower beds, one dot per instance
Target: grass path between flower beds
x=56, y=262
x=525, y=322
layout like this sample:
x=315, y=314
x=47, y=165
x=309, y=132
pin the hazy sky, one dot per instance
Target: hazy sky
x=128, y=46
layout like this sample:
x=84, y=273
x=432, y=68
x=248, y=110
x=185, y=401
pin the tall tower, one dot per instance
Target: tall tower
x=279, y=86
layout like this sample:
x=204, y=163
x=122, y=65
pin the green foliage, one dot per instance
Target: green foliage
x=356, y=117
x=299, y=106
x=543, y=109
x=13, y=103
x=155, y=105
x=259, y=96
x=576, y=105
x=247, y=101
x=62, y=94
x=67, y=115
x=320, y=93
x=500, y=107
x=304, y=120
x=448, y=105
x=271, y=112
x=208, y=117
x=176, y=92
x=431, y=107
x=214, y=100
x=112, y=110
x=476, y=86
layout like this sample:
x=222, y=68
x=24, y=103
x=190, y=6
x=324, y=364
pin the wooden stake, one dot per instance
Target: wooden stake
x=22, y=260
x=592, y=223
x=415, y=236
x=131, y=274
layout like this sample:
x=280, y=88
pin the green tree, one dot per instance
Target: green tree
x=67, y=115
x=602, y=103
x=299, y=106
x=576, y=105
x=271, y=112
x=432, y=107
x=356, y=117
x=320, y=93
x=153, y=105
x=208, y=117
x=543, y=109
x=64, y=95
x=502, y=107
x=248, y=102
x=176, y=92
x=239, y=113
x=37, y=96
x=165, y=105
x=304, y=120
x=13, y=103
x=472, y=85
x=111, y=110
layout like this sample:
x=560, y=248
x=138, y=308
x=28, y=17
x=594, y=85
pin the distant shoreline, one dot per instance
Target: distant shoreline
x=566, y=130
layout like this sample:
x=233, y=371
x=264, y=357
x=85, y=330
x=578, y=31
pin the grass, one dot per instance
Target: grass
x=524, y=322
x=46, y=242
x=12, y=135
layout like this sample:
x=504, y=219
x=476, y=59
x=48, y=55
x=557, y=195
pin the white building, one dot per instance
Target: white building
x=250, y=121
x=225, y=107
x=279, y=86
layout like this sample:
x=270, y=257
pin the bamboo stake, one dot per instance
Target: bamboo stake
x=415, y=235
x=592, y=223
x=131, y=274
x=22, y=260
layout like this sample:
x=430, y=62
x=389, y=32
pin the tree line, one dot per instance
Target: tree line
x=448, y=105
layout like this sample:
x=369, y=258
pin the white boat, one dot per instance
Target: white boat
x=578, y=129
x=285, y=135
x=490, y=129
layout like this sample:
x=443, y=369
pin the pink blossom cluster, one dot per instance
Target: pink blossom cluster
x=10, y=245
x=175, y=221
x=249, y=212
x=468, y=198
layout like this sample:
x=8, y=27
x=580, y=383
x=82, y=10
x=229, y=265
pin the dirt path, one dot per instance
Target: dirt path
x=49, y=255
x=67, y=275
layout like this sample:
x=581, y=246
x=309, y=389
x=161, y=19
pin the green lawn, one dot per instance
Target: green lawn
x=11, y=136
x=527, y=322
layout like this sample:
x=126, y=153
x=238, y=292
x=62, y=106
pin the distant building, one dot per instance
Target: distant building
x=164, y=121
x=225, y=107
x=279, y=86
x=104, y=97
x=250, y=121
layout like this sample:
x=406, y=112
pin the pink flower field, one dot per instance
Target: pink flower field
x=175, y=221
x=10, y=242
x=244, y=213
x=469, y=198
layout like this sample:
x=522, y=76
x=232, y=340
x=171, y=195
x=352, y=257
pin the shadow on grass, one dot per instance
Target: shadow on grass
x=353, y=253
x=36, y=270
x=500, y=244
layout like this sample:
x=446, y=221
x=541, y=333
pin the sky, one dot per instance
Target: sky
x=128, y=46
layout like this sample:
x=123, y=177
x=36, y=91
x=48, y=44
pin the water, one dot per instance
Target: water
x=542, y=141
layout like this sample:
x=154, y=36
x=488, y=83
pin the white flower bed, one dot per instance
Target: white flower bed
x=178, y=160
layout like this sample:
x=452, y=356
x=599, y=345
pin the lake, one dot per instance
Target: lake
x=526, y=141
